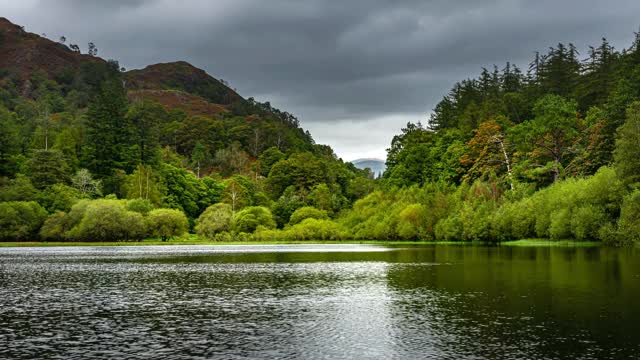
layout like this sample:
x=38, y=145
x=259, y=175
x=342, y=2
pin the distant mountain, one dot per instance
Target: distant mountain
x=377, y=166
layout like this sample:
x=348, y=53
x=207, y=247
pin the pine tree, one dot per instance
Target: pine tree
x=108, y=131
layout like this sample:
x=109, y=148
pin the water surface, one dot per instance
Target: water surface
x=319, y=301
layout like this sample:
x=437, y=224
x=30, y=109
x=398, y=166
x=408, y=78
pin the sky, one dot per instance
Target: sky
x=354, y=72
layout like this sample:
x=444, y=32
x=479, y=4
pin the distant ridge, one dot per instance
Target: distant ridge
x=377, y=166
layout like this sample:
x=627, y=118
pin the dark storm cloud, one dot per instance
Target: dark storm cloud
x=357, y=63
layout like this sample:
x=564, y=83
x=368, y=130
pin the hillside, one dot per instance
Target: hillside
x=174, y=85
x=22, y=54
x=183, y=76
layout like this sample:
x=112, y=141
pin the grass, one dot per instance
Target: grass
x=548, y=242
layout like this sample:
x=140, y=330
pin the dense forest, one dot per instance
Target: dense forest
x=92, y=152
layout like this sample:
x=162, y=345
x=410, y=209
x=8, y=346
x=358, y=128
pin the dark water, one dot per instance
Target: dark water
x=324, y=301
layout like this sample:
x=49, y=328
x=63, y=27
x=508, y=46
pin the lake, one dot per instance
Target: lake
x=320, y=301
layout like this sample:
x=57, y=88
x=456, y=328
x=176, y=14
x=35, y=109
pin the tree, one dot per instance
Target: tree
x=232, y=160
x=86, y=184
x=198, y=156
x=268, y=158
x=238, y=192
x=9, y=145
x=307, y=212
x=551, y=139
x=105, y=220
x=143, y=183
x=48, y=167
x=488, y=151
x=92, y=49
x=107, y=131
x=250, y=218
x=145, y=118
x=215, y=219
x=167, y=223
x=18, y=189
x=627, y=151
x=20, y=220
x=302, y=170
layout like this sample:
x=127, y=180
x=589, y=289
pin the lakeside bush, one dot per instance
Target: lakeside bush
x=167, y=223
x=20, y=220
x=307, y=212
x=629, y=224
x=214, y=220
x=111, y=220
x=308, y=229
x=250, y=218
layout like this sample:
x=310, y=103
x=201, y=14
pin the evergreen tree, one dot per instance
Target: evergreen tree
x=108, y=145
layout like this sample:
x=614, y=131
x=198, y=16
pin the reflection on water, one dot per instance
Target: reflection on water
x=319, y=301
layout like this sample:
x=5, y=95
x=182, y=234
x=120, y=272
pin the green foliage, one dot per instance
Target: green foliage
x=47, y=167
x=251, y=218
x=627, y=151
x=303, y=171
x=186, y=192
x=142, y=206
x=214, y=220
x=59, y=197
x=106, y=220
x=167, y=223
x=20, y=220
x=307, y=212
x=143, y=183
x=18, y=189
x=55, y=227
x=108, y=145
x=629, y=224
x=145, y=118
x=287, y=203
x=268, y=158
x=308, y=229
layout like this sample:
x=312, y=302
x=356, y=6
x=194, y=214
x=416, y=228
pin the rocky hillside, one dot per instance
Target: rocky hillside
x=23, y=53
x=174, y=85
x=182, y=76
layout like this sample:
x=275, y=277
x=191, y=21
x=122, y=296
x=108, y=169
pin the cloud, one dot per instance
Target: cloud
x=333, y=63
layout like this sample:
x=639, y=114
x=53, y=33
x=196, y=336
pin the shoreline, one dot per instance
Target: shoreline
x=191, y=242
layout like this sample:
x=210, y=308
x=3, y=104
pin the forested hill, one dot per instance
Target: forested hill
x=555, y=118
x=75, y=127
x=548, y=151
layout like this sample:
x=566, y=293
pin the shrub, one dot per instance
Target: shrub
x=586, y=221
x=141, y=206
x=307, y=212
x=560, y=227
x=215, y=219
x=629, y=223
x=449, y=229
x=55, y=227
x=20, y=220
x=18, y=189
x=59, y=197
x=410, y=220
x=250, y=218
x=166, y=223
x=106, y=220
x=308, y=229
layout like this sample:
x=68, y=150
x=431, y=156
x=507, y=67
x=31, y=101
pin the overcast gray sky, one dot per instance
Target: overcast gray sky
x=354, y=72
